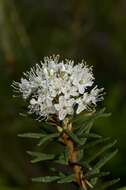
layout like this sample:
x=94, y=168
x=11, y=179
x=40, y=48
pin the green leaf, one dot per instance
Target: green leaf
x=94, y=173
x=104, y=160
x=85, y=129
x=40, y=156
x=102, y=150
x=87, y=117
x=91, y=175
x=106, y=184
x=61, y=174
x=48, y=138
x=46, y=179
x=67, y=179
x=92, y=135
x=63, y=158
x=82, y=118
x=94, y=143
x=32, y=135
x=84, y=123
x=94, y=177
x=100, y=113
x=74, y=137
x=81, y=141
x=88, y=136
x=80, y=155
x=53, y=169
x=123, y=188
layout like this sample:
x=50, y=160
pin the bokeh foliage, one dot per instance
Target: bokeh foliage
x=29, y=29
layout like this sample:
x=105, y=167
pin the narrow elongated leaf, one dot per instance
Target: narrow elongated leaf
x=92, y=135
x=94, y=180
x=102, y=150
x=106, y=184
x=63, y=158
x=96, y=142
x=94, y=115
x=81, y=117
x=40, y=156
x=85, y=118
x=66, y=179
x=85, y=129
x=104, y=160
x=62, y=175
x=88, y=136
x=90, y=175
x=46, y=179
x=32, y=135
x=52, y=169
x=80, y=155
x=74, y=137
x=81, y=141
x=95, y=172
x=101, y=113
x=47, y=138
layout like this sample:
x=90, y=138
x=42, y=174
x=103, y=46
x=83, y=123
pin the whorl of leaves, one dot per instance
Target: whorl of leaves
x=94, y=152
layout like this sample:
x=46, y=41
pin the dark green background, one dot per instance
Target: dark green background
x=30, y=29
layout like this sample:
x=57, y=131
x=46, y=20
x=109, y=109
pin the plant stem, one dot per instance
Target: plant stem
x=73, y=152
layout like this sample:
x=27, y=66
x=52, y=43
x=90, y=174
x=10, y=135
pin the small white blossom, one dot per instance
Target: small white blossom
x=64, y=107
x=82, y=102
x=55, y=87
x=82, y=77
x=96, y=95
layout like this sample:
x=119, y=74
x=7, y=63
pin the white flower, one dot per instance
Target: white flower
x=82, y=77
x=24, y=87
x=82, y=103
x=68, y=89
x=92, y=98
x=43, y=106
x=64, y=107
x=55, y=87
x=96, y=95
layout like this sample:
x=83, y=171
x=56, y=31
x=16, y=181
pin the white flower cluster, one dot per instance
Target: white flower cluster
x=57, y=87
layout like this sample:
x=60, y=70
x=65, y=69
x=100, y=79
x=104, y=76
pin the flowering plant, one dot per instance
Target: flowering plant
x=63, y=95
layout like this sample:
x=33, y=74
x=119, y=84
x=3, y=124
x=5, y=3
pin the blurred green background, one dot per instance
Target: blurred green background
x=30, y=29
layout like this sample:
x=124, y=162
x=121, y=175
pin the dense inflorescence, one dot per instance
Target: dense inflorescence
x=58, y=87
